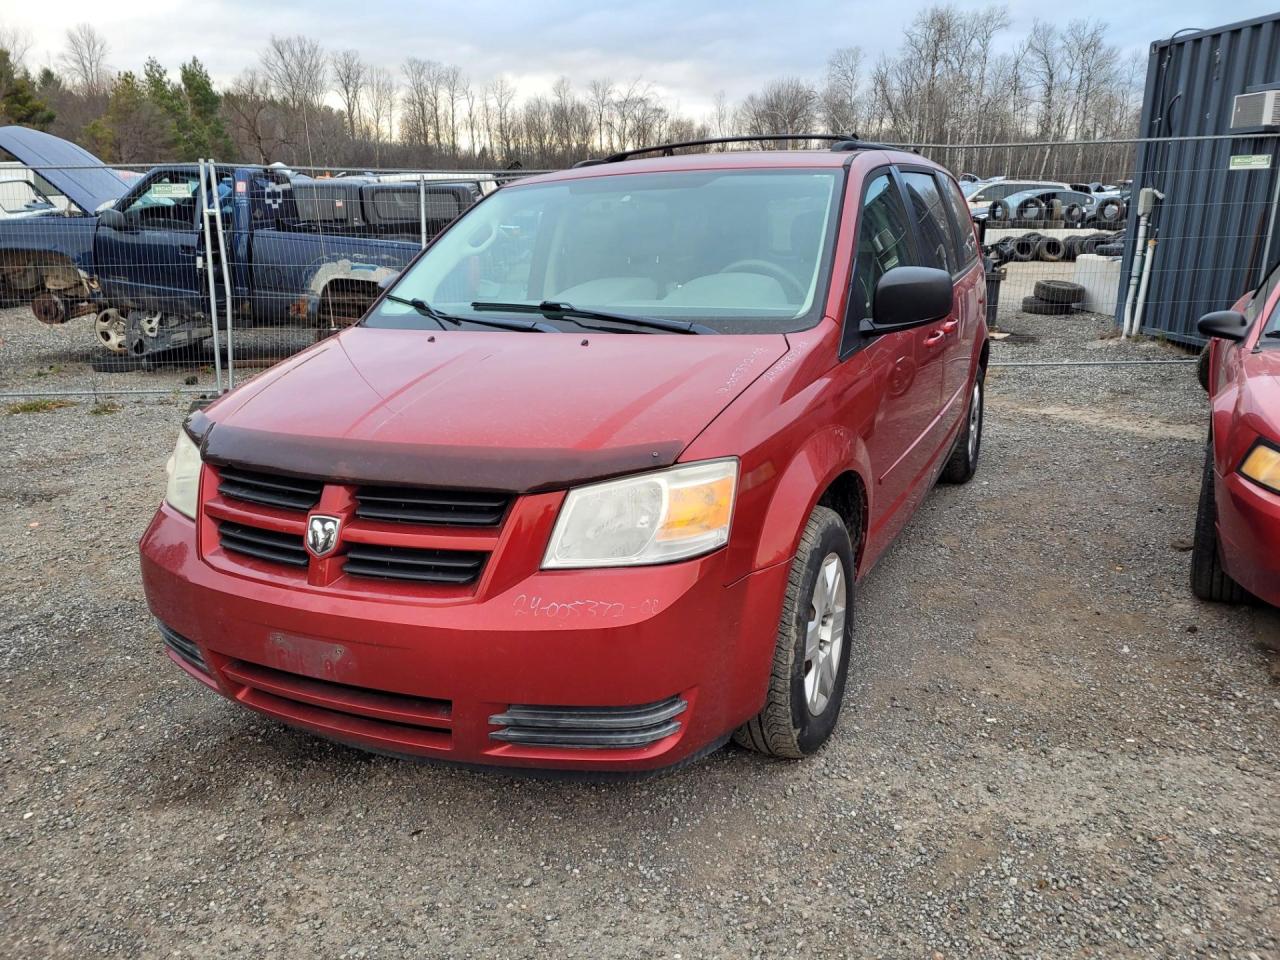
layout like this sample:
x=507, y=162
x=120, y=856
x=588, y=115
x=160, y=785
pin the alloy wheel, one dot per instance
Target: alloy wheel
x=824, y=634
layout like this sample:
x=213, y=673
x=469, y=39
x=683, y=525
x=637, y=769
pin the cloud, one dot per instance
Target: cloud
x=686, y=49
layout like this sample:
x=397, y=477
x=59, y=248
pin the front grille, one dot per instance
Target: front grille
x=406, y=563
x=589, y=727
x=338, y=709
x=288, y=493
x=263, y=544
x=472, y=508
x=183, y=647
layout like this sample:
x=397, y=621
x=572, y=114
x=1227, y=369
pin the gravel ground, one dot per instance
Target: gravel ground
x=1049, y=748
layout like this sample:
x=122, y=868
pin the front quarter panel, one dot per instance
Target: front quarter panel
x=791, y=445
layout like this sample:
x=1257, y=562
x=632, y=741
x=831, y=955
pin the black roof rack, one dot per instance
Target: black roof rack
x=838, y=141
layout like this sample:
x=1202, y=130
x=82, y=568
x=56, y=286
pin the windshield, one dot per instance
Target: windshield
x=737, y=251
x=1256, y=304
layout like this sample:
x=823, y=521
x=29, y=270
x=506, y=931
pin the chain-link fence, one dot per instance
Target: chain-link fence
x=1152, y=232
x=190, y=277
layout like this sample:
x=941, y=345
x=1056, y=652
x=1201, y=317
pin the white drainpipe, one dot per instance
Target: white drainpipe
x=1142, y=287
x=1135, y=275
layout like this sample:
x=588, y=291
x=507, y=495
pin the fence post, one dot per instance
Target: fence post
x=208, y=270
x=422, y=209
x=226, y=271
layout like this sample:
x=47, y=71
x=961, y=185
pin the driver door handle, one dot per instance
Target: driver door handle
x=935, y=339
x=950, y=326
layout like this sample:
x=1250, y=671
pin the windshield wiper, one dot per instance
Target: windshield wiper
x=552, y=308
x=440, y=317
x=423, y=308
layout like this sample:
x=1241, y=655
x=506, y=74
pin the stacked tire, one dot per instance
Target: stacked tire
x=1036, y=246
x=1053, y=298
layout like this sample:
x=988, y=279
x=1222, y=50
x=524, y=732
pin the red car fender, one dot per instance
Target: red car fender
x=826, y=455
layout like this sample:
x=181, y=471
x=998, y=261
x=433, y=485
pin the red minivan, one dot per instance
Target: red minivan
x=590, y=485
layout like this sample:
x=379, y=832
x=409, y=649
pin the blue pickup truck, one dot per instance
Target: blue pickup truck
x=298, y=250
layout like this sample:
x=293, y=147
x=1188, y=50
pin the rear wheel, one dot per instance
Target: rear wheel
x=811, y=659
x=1208, y=580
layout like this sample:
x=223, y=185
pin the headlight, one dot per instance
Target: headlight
x=652, y=518
x=183, y=469
x=1262, y=466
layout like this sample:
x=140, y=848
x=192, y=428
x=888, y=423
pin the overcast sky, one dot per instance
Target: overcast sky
x=687, y=49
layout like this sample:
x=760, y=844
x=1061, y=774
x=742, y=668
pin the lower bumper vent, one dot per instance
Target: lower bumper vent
x=589, y=728
x=183, y=647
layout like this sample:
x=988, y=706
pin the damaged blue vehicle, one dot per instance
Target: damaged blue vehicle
x=134, y=254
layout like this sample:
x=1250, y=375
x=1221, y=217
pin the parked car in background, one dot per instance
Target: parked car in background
x=1071, y=208
x=982, y=193
x=1237, y=537
x=133, y=253
x=591, y=484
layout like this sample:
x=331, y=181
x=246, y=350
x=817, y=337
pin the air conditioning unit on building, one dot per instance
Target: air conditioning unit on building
x=1253, y=110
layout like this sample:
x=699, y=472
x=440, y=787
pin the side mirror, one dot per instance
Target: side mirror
x=1225, y=325
x=981, y=224
x=114, y=219
x=909, y=297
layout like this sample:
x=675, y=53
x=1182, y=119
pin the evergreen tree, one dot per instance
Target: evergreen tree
x=206, y=137
x=19, y=102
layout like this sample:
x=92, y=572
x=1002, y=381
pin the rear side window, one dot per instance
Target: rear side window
x=883, y=243
x=933, y=226
x=966, y=244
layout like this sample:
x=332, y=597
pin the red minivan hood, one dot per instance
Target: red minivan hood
x=513, y=411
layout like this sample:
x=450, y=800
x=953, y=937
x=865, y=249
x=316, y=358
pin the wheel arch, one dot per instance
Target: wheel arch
x=829, y=469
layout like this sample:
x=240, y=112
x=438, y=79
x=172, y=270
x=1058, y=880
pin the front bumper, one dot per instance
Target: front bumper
x=1249, y=535
x=441, y=677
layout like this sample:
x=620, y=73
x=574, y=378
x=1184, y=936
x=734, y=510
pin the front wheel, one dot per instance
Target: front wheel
x=811, y=659
x=1209, y=581
x=963, y=462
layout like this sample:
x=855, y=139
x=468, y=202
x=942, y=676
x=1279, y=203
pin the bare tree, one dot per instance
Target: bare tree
x=421, y=113
x=841, y=101
x=350, y=76
x=499, y=106
x=721, y=115
x=85, y=59
x=381, y=95
x=17, y=40
x=600, y=95
x=296, y=69
x=788, y=105
x=255, y=119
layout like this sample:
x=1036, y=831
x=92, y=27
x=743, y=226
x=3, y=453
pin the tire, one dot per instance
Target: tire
x=1050, y=249
x=1031, y=208
x=1058, y=291
x=1110, y=250
x=998, y=211
x=1044, y=308
x=1090, y=243
x=793, y=723
x=1071, y=247
x=1208, y=580
x=963, y=462
x=1074, y=214
x=1024, y=249
x=1202, y=368
x=1112, y=211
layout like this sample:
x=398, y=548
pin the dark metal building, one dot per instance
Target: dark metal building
x=1217, y=224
